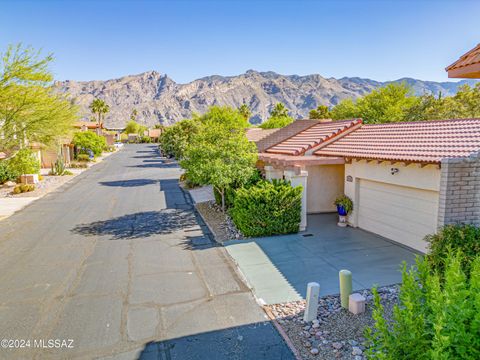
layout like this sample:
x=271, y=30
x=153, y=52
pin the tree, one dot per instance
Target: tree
x=100, y=108
x=87, y=140
x=30, y=109
x=276, y=122
x=244, y=110
x=174, y=139
x=220, y=153
x=390, y=103
x=279, y=110
x=132, y=127
x=321, y=112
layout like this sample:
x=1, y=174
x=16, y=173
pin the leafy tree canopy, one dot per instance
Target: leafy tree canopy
x=223, y=115
x=174, y=139
x=135, y=128
x=321, y=112
x=396, y=102
x=276, y=122
x=30, y=110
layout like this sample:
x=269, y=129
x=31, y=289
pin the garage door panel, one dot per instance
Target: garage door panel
x=400, y=213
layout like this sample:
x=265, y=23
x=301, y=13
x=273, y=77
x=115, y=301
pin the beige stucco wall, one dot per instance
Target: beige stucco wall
x=324, y=184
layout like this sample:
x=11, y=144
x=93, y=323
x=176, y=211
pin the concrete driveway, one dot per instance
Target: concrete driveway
x=278, y=268
x=117, y=261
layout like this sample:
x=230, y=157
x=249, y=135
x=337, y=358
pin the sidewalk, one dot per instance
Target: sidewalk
x=10, y=205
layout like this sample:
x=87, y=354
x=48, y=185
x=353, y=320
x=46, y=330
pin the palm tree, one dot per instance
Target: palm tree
x=244, y=110
x=100, y=108
x=279, y=110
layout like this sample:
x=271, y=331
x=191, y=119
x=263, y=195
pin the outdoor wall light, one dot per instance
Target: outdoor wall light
x=394, y=171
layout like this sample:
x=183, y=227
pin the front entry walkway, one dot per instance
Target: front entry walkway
x=278, y=268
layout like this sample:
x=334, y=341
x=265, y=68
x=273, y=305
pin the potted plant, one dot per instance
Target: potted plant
x=344, y=207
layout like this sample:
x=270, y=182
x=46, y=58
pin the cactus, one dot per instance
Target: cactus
x=58, y=168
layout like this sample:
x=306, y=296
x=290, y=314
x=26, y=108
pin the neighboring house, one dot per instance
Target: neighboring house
x=89, y=126
x=468, y=66
x=405, y=179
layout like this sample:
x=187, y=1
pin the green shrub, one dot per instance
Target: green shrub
x=452, y=238
x=6, y=173
x=87, y=140
x=230, y=192
x=83, y=157
x=24, y=162
x=437, y=316
x=78, y=165
x=145, y=139
x=67, y=172
x=175, y=138
x=267, y=208
x=23, y=188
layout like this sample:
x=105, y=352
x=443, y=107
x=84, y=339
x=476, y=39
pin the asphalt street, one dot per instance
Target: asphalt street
x=115, y=264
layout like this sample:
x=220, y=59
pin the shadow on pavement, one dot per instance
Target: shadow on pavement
x=129, y=183
x=160, y=164
x=254, y=341
x=139, y=225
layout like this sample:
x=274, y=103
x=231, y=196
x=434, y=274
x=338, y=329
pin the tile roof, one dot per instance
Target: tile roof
x=313, y=136
x=87, y=124
x=257, y=134
x=423, y=141
x=468, y=66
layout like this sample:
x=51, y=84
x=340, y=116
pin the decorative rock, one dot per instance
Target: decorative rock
x=356, y=351
x=358, y=357
x=314, y=351
x=353, y=342
x=308, y=345
x=9, y=183
x=315, y=326
x=337, y=345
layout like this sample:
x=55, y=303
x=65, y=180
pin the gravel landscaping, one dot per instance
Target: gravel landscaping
x=220, y=224
x=337, y=333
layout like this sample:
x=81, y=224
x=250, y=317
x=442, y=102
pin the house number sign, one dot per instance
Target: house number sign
x=349, y=178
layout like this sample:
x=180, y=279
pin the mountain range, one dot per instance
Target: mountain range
x=159, y=99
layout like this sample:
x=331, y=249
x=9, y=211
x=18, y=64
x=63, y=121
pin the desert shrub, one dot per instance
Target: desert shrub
x=78, y=165
x=145, y=139
x=24, y=162
x=6, y=173
x=437, y=316
x=452, y=238
x=83, y=157
x=67, y=172
x=87, y=140
x=267, y=208
x=23, y=188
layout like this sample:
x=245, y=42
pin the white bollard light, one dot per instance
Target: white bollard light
x=313, y=291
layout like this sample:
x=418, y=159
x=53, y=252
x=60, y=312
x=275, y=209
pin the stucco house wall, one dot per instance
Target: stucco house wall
x=324, y=184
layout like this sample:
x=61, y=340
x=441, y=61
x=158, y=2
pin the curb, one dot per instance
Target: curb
x=282, y=333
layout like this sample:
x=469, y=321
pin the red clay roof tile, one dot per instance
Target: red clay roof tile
x=313, y=136
x=425, y=141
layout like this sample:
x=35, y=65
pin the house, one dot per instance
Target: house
x=405, y=179
x=468, y=66
x=153, y=134
x=89, y=126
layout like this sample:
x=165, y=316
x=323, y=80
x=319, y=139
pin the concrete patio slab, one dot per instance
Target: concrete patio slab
x=278, y=268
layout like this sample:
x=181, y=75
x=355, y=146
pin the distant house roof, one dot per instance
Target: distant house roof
x=87, y=124
x=257, y=134
x=313, y=136
x=468, y=66
x=422, y=141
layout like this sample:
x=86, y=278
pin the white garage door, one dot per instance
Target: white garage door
x=399, y=213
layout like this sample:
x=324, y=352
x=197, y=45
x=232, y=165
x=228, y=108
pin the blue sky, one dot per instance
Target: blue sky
x=381, y=39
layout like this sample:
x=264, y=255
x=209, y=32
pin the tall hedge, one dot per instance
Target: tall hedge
x=268, y=208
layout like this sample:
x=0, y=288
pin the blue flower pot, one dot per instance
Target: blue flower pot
x=341, y=210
